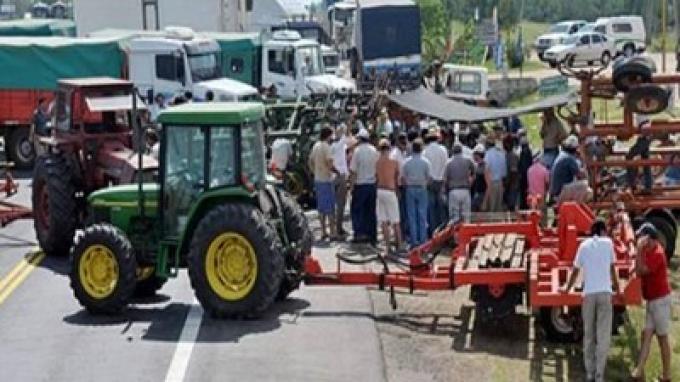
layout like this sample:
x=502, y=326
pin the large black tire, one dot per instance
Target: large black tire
x=300, y=237
x=632, y=73
x=647, y=99
x=246, y=223
x=19, y=148
x=667, y=233
x=87, y=266
x=55, y=208
x=557, y=327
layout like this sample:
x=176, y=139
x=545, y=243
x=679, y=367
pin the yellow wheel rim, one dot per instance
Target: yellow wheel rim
x=231, y=266
x=98, y=271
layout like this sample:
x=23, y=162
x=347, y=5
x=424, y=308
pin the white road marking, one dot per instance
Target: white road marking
x=185, y=345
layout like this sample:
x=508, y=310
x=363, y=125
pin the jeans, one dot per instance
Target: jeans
x=632, y=174
x=437, y=209
x=597, y=332
x=460, y=205
x=403, y=223
x=510, y=198
x=340, y=200
x=362, y=209
x=416, y=210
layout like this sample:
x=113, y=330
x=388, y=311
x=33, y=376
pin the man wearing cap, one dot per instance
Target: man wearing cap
x=364, y=193
x=387, y=175
x=538, y=180
x=399, y=153
x=437, y=155
x=415, y=176
x=321, y=164
x=651, y=267
x=641, y=149
x=595, y=258
x=478, y=188
x=566, y=168
x=458, y=177
x=552, y=132
x=496, y=171
x=339, y=150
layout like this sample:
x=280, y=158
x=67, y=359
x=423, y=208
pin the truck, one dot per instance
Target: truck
x=313, y=30
x=169, y=64
x=387, y=43
x=203, y=15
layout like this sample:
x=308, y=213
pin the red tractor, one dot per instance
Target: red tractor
x=89, y=146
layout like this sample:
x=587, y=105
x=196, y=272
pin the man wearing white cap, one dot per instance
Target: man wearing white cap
x=364, y=193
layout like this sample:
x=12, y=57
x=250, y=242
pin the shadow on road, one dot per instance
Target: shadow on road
x=165, y=323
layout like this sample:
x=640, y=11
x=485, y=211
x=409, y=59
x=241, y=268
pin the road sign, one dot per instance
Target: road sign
x=487, y=32
x=553, y=85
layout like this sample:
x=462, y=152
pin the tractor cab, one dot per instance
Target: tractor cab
x=244, y=242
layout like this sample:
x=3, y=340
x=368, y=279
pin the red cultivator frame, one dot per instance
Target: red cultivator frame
x=10, y=212
x=502, y=262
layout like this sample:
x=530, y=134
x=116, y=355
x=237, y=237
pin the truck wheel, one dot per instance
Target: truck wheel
x=19, y=148
x=647, y=99
x=667, y=233
x=148, y=283
x=300, y=238
x=103, y=269
x=235, y=263
x=557, y=324
x=55, y=210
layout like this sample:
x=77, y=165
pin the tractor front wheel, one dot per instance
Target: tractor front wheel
x=300, y=238
x=103, y=269
x=55, y=207
x=235, y=263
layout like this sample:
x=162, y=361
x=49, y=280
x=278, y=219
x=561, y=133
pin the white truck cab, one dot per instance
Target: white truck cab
x=180, y=62
x=295, y=67
x=466, y=83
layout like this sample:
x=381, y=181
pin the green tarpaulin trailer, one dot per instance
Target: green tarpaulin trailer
x=37, y=27
x=39, y=62
x=241, y=55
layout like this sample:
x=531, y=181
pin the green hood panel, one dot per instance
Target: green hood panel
x=125, y=196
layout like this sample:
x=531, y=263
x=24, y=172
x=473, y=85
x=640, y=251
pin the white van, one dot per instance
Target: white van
x=627, y=33
x=556, y=35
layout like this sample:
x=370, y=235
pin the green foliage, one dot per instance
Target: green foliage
x=435, y=28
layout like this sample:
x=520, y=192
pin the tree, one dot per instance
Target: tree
x=435, y=28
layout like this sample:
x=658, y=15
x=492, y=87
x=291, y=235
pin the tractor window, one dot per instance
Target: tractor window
x=252, y=155
x=184, y=174
x=222, y=157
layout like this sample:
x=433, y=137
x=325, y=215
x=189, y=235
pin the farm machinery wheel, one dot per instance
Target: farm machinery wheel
x=103, y=269
x=300, y=238
x=667, y=233
x=559, y=324
x=647, y=99
x=632, y=72
x=19, y=147
x=235, y=263
x=494, y=302
x=147, y=282
x=54, y=202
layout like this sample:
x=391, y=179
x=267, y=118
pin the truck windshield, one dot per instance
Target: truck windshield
x=571, y=40
x=204, y=67
x=252, y=162
x=559, y=28
x=310, y=57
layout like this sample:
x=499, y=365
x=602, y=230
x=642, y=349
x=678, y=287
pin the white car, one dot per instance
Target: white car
x=556, y=35
x=582, y=48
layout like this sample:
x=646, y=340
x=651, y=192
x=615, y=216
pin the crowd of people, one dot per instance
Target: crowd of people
x=409, y=181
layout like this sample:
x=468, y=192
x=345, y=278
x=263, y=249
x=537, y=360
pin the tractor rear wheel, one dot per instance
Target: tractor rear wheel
x=300, y=238
x=667, y=233
x=235, y=263
x=558, y=325
x=103, y=269
x=55, y=207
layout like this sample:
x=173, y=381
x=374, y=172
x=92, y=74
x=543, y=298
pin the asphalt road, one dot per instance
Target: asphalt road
x=319, y=334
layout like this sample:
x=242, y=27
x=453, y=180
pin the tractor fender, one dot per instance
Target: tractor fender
x=664, y=213
x=207, y=202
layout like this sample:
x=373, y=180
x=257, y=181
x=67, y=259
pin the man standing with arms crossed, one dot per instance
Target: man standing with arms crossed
x=595, y=258
x=458, y=177
x=650, y=265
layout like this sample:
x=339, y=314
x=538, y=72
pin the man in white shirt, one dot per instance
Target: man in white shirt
x=282, y=149
x=364, y=191
x=339, y=150
x=437, y=155
x=595, y=258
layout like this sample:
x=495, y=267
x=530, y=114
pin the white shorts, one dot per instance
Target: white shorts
x=658, y=317
x=387, y=207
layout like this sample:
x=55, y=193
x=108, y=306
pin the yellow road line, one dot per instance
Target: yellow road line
x=19, y=274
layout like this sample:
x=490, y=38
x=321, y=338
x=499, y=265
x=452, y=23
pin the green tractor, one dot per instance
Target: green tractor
x=243, y=241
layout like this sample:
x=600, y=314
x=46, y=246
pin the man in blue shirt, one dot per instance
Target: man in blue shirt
x=415, y=176
x=566, y=168
x=496, y=171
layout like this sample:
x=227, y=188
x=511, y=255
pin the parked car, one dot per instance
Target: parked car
x=556, y=35
x=582, y=47
x=626, y=32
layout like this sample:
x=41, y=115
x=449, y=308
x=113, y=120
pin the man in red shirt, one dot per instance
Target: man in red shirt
x=650, y=265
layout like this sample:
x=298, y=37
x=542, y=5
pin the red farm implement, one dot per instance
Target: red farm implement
x=10, y=212
x=505, y=263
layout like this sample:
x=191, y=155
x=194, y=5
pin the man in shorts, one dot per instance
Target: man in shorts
x=321, y=164
x=650, y=265
x=387, y=178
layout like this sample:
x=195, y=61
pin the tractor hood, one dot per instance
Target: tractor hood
x=126, y=195
x=328, y=83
